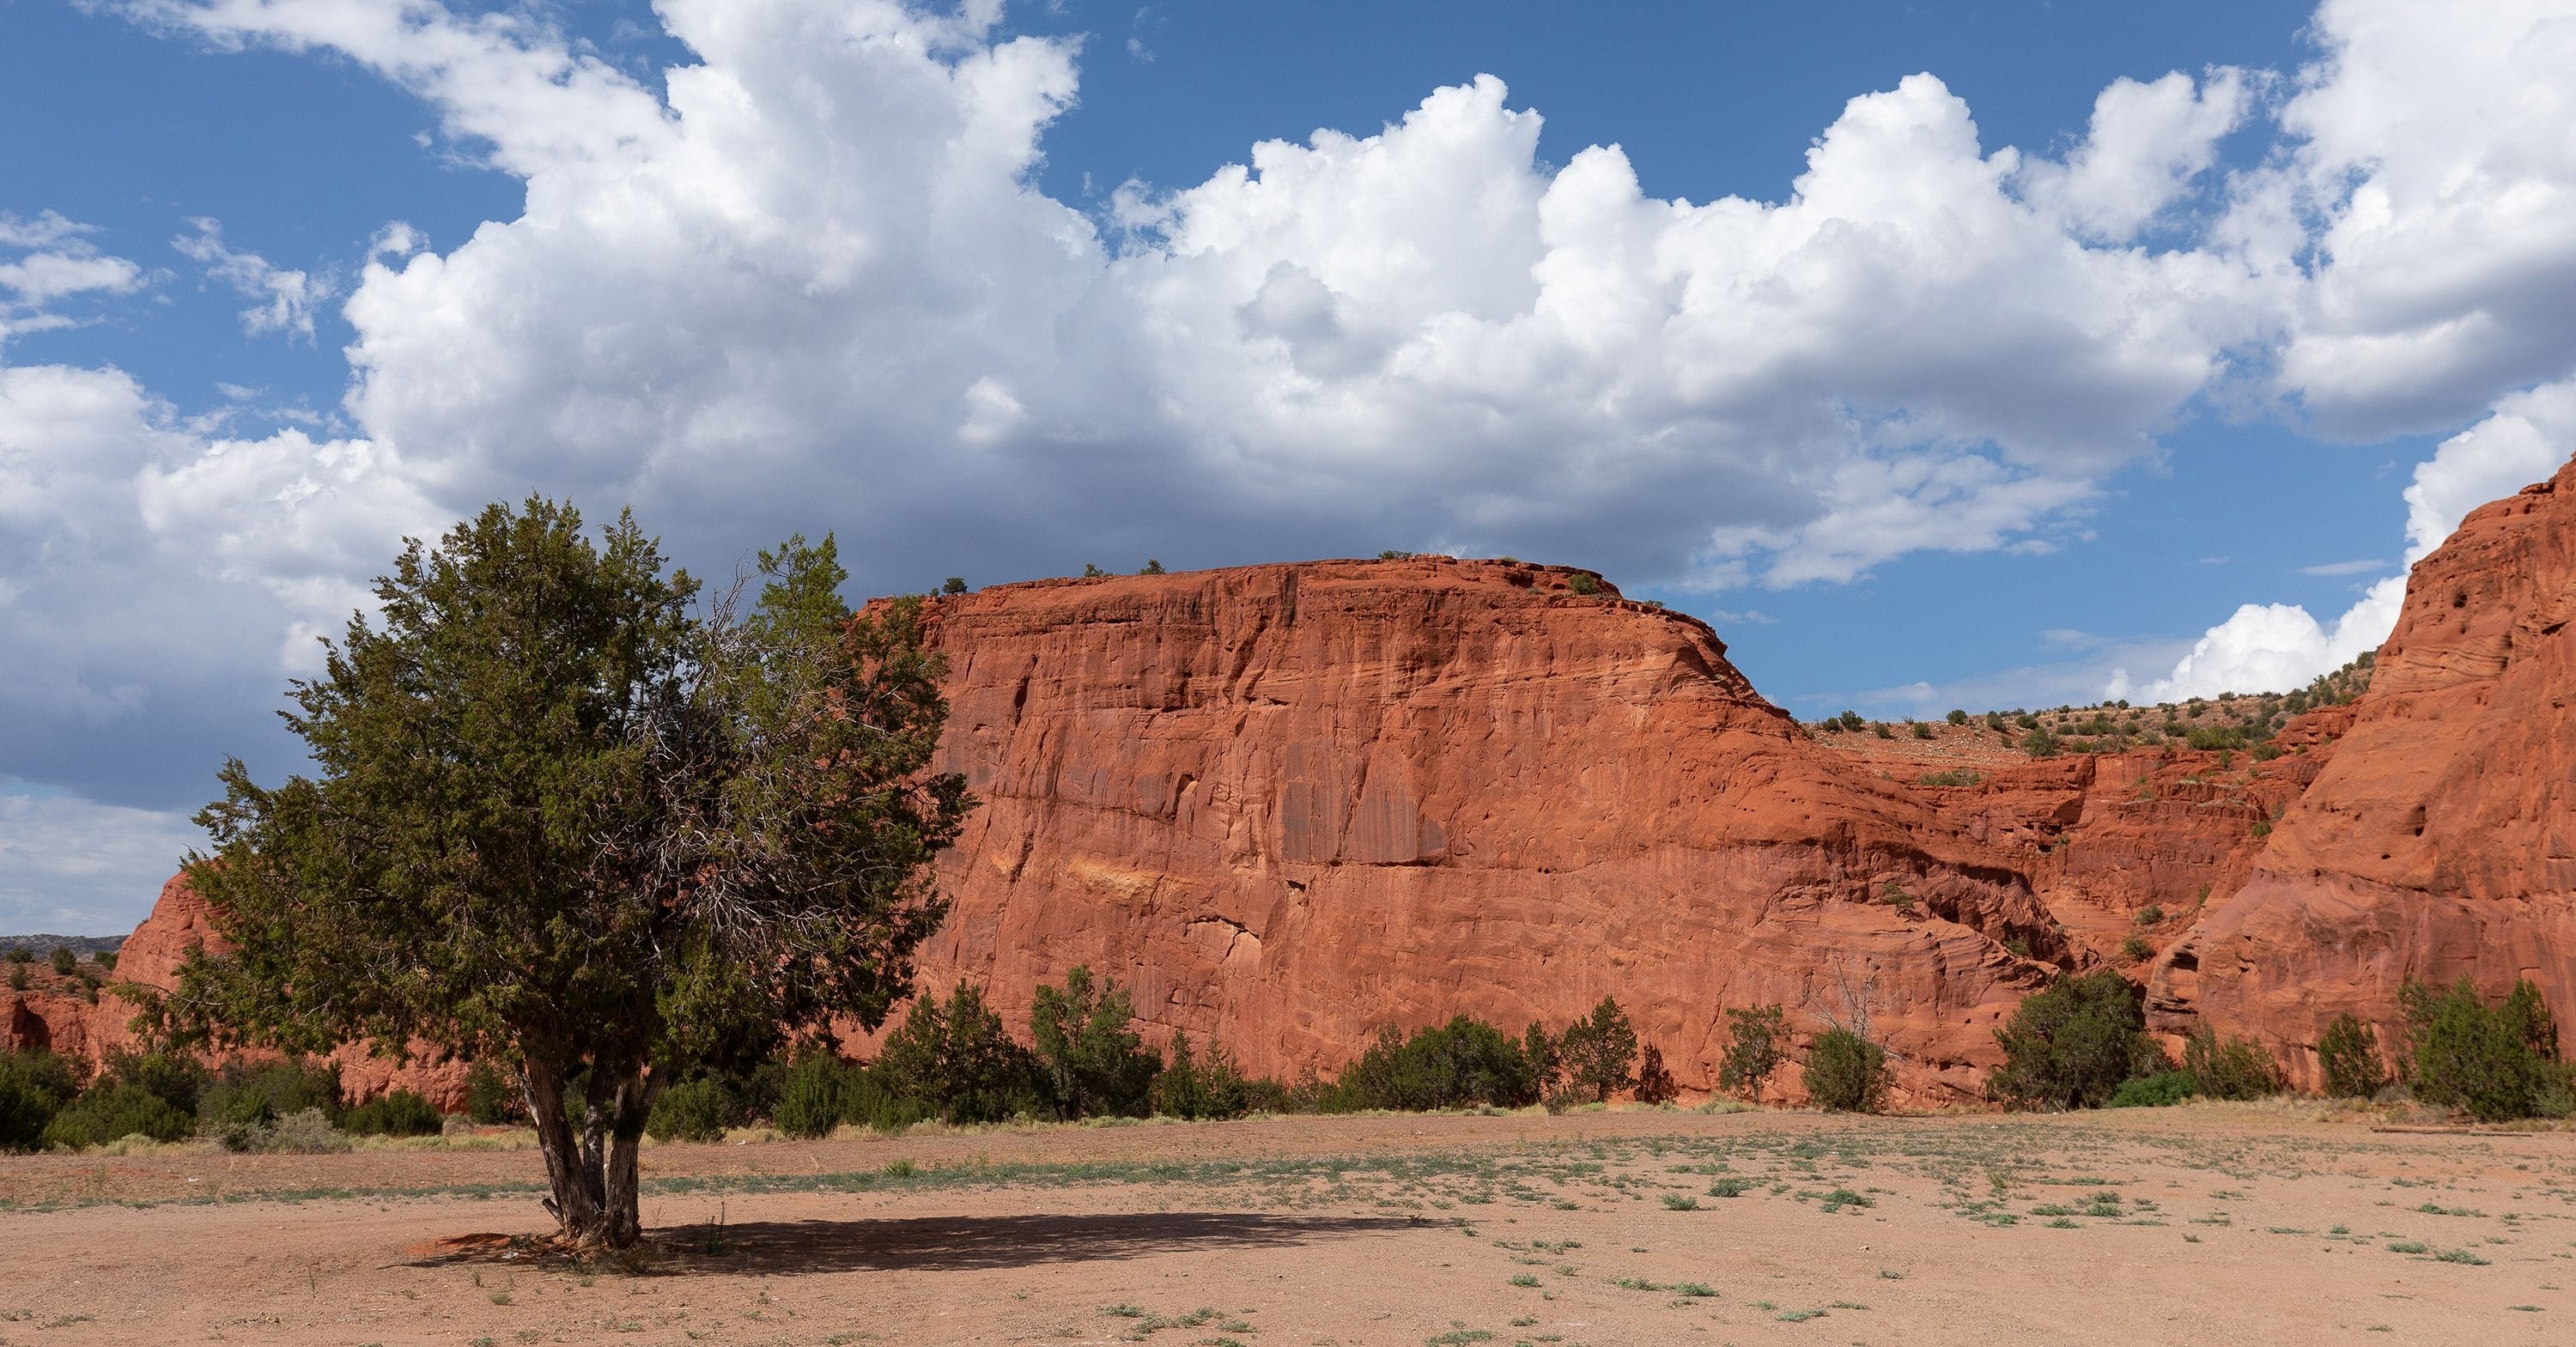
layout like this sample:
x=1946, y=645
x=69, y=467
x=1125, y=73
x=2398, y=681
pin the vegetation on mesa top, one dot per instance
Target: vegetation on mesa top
x=2228, y=722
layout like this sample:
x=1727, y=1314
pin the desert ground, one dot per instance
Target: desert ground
x=2229, y=1224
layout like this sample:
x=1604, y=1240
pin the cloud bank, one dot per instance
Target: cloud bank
x=811, y=282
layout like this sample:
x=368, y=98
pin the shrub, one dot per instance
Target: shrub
x=691, y=1110
x=1395, y=554
x=2151, y=915
x=2494, y=1062
x=1922, y=731
x=492, y=1097
x=1199, y=1088
x=2160, y=1090
x=1958, y=717
x=20, y=954
x=953, y=585
x=2039, y=743
x=815, y=1095
x=2136, y=948
x=1598, y=1052
x=1584, y=583
x=1879, y=727
x=64, y=960
x=2348, y=1057
x=1152, y=567
x=1757, y=1042
x=17, y=977
x=34, y=1086
x=113, y=1109
x=396, y=1113
x=1546, y=1063
x=1956, y=776
x=1851, y=720
x=871, y=1102
x=2074, y=1045
x=959, y=1062
x=1655, y=1084
x=1455, y=1065
x=1092, y=571
x=1087, y=1050
x=2229, y=1068
x=256, y=1095
x=1846, y=1071
x=105, y=959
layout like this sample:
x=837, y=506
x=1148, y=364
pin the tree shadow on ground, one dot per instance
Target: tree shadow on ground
x=956, y=1243
x=935, y=1243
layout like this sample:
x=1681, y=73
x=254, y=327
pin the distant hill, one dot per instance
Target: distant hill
x=82, y=945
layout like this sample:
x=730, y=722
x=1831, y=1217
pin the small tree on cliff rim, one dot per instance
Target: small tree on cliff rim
x=562, y=822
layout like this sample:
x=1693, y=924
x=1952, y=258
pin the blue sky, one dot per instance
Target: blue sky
x=2010, y=420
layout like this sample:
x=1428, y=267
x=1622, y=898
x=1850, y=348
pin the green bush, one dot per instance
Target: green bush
x=2163, y=1089
x=1583, y=583
x=1846, y=1072
x=2229, y=1068
x=256, y=1095
x=1599, y=1052
x=1199, y=1087
x=2039, y=743
x=2074, y=1045
x=2493, y=1062
x=1087, y=1049
x=692, y=1110
x=21, y=954
x=1460, y=1064
x=113, y=1110
x=1757, y=1042
x=492, y=1097
x=64, y=960
x=396, y=1113
x=959, y=1062
x=872, y=1103
x=815, y=1097
x=2136, y=949
x=1958, y=717
x=34, y=1086
x=2348, y=1057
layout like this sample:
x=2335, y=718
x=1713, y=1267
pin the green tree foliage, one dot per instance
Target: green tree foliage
x=2074, y=1045
x=560, y=821
x=1546, y=1063
x=1600, y=1052
x=65, y=960
x=254, y=1095
x=1460, y=1064
x=697, y=1109
x=34, y=1086
x=1846, y=1071
x=1087, y=1048
x=953, y=585
x=491, y=1097
x=957, y=1059
x=2160, y=1090
x=2494, y=1062
x=1958, y=717
x=135, y=1094
x=1757, y=1043
x=1152, y=567
x=2229, y=1068
x=2039, y=743
x=396, y=1113
x=816, y=1094
x=2348, y=1058
x=1199, y=1087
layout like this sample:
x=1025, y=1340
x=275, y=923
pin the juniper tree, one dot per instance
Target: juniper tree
x=565, y=817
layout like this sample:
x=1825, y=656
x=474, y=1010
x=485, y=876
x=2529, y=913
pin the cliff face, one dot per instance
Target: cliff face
x=2440, y=840
x=58, y=1019
x=1289, y=804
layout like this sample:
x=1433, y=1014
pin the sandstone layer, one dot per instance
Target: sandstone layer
x=2440, y=840
x=1290, y=804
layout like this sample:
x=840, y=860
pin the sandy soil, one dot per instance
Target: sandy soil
x=2206, y=1224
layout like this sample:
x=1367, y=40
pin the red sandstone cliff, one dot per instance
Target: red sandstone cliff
x=1289, y=804
x=2440, y=841
x=59, y=1019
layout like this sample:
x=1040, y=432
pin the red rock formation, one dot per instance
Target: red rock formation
x=1289, y=804
x=60, y=1019
x=2440, y=840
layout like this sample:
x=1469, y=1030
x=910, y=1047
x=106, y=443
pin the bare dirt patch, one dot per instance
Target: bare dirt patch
x=2208, y=1224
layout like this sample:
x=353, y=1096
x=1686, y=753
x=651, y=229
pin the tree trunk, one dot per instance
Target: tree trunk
x=592, y=1171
